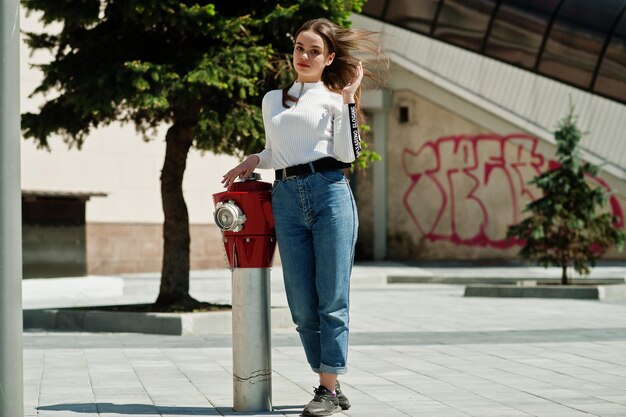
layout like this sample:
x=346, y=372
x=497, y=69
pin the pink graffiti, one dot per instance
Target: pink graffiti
x=453, y=176
x=476, y=186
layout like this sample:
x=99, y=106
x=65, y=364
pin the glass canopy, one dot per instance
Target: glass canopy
x=578, y=42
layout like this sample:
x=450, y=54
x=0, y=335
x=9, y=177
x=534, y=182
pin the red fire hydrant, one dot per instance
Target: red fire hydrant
x=244, y=214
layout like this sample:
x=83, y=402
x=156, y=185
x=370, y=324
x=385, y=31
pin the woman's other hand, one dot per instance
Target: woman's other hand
x=243, y=170
x=349, y=90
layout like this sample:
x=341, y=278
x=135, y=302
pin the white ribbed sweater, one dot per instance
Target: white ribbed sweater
x=317, y=126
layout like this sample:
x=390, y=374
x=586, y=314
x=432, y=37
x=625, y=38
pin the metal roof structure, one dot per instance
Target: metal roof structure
x=578, y=42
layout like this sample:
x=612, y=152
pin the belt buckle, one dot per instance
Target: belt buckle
x=285, y=177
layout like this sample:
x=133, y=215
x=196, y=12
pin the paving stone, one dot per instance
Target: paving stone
x=416, y=350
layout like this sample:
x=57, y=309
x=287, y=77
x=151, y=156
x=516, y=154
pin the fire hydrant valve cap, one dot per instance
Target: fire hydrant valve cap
x=228, y=216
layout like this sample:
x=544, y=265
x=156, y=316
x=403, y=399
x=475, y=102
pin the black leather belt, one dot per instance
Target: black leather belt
x=321, y=165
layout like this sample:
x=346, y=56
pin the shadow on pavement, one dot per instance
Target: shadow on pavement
x=140, y=409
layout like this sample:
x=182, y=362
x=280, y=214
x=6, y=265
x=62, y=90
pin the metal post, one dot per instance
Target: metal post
x=11, y=362
x=380, y=185
x=252, y=361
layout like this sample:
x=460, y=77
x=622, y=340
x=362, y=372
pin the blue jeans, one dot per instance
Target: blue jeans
x=316, y=227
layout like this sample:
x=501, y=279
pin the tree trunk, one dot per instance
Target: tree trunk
x=174, y=290
x=564, y=274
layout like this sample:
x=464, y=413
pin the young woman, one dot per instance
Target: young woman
x=311, y=134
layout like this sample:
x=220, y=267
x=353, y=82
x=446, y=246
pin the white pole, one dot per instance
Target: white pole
x=11, y=362
x=252, y=361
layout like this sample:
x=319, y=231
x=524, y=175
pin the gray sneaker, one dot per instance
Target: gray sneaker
x=324, y=403
x=344, y=403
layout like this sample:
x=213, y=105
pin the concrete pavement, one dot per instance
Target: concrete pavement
x=416, y=350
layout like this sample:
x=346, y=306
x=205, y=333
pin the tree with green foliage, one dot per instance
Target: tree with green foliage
x=200, y=67
x=567, y=226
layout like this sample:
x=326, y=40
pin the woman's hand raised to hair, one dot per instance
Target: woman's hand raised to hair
x=350, y=89
x=243, y=170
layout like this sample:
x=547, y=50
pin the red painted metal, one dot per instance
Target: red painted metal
x=254, y=245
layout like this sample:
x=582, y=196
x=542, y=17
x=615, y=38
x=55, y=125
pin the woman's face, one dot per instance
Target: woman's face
x=310, y=56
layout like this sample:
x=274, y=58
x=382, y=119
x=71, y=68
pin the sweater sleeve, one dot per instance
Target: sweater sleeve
x=265, y=156
x=346, y=138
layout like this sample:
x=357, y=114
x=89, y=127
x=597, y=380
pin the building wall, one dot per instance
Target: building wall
x=114, y=248
x=455, y=183
x=478, y=131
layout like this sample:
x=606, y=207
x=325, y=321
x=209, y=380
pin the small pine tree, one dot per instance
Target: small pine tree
x=566, y=226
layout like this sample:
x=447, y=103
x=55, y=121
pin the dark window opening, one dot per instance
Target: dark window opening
x=53, y=236
x=53, y=211
x=404, y=114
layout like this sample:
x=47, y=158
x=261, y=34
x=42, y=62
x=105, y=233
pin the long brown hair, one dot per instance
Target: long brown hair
x=345, y=43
